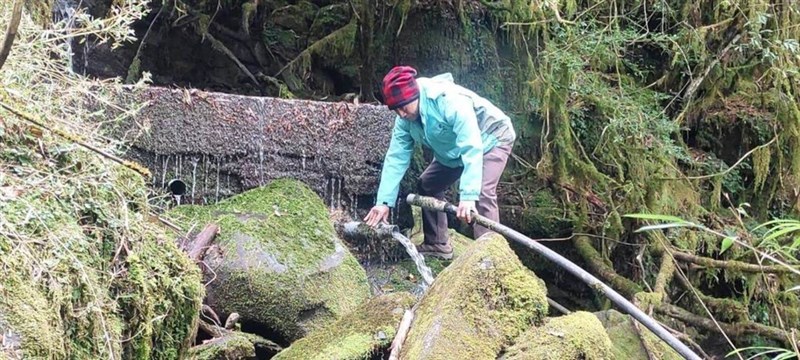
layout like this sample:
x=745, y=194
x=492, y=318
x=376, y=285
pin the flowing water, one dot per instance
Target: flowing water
x=419, y=260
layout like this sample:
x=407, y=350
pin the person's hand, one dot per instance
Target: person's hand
x=465, y=209
x=377, y=214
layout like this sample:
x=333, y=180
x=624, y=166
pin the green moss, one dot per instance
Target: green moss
x=283, y=265
x=87, y=274
x=358, y=335
x=236, y=345
x=577, y=336
x=627, y=344
x=478, y=304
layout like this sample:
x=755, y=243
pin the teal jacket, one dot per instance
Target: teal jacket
x=457, y=125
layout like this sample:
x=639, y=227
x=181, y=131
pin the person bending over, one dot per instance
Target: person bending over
x=470, y=138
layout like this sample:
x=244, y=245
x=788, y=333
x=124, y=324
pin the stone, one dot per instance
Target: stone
x=474, y=311
x=278, y=262
x=368, y=329
x=577, y=336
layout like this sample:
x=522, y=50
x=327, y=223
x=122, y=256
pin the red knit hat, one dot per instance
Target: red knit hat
x=400, y=87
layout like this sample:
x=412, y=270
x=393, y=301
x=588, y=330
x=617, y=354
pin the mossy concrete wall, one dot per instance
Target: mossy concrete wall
x=221, y=144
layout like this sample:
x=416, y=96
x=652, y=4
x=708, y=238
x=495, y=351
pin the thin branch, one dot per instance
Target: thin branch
x=219, y=46
x=728, y=169
x=729, y=264
x=33, y=120
x=558, y=306
x=402, y=332
x=11, y=31
x=695, y=84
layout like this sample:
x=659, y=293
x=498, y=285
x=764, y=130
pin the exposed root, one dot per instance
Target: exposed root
x=723, y=308
x=729, y=264
x=595, y=261
x=739, y=329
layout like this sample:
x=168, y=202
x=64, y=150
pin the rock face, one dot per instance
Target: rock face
x=279, y=263
x=578, y=336
x=627, y=344
x=367, y=330
x=477, y=305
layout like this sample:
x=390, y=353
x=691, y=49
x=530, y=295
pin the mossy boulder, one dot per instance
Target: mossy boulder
x=577, y=336
x=478, y=305
x=364, y=332
x=278, y=261
x=235, y=345
x=627, y=344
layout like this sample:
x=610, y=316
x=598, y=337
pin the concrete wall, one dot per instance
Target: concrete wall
x=221, y=144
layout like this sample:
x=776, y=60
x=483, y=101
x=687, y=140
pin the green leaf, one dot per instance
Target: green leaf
x=726, y=244
x=781, y=230
x=656, y=217
x=661, y=226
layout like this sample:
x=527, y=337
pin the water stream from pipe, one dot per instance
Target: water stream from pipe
x=419, y=260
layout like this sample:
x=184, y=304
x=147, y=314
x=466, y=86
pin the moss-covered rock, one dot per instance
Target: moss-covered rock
x=478, y=305
x=368, y=329
x=235, y=345
x=577, y=336
x=279, y=262
x=627, y=344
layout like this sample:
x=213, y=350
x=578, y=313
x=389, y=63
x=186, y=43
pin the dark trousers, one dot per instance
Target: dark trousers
x=437, y=178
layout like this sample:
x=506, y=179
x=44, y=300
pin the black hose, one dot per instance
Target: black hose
x=593, y=282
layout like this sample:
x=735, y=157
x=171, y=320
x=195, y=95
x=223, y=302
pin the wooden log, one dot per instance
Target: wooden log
x=202, y=241
x=402, y=332
x=11, y=31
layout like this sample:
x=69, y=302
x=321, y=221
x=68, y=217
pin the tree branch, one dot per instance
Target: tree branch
x=11, y=31
x=728, y=264
x=598, y=266
x=738, y=329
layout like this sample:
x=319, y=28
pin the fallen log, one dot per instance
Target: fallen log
x=402, y=331
x=202, y=241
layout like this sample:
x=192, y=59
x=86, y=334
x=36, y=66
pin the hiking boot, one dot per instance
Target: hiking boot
x=441, y=251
